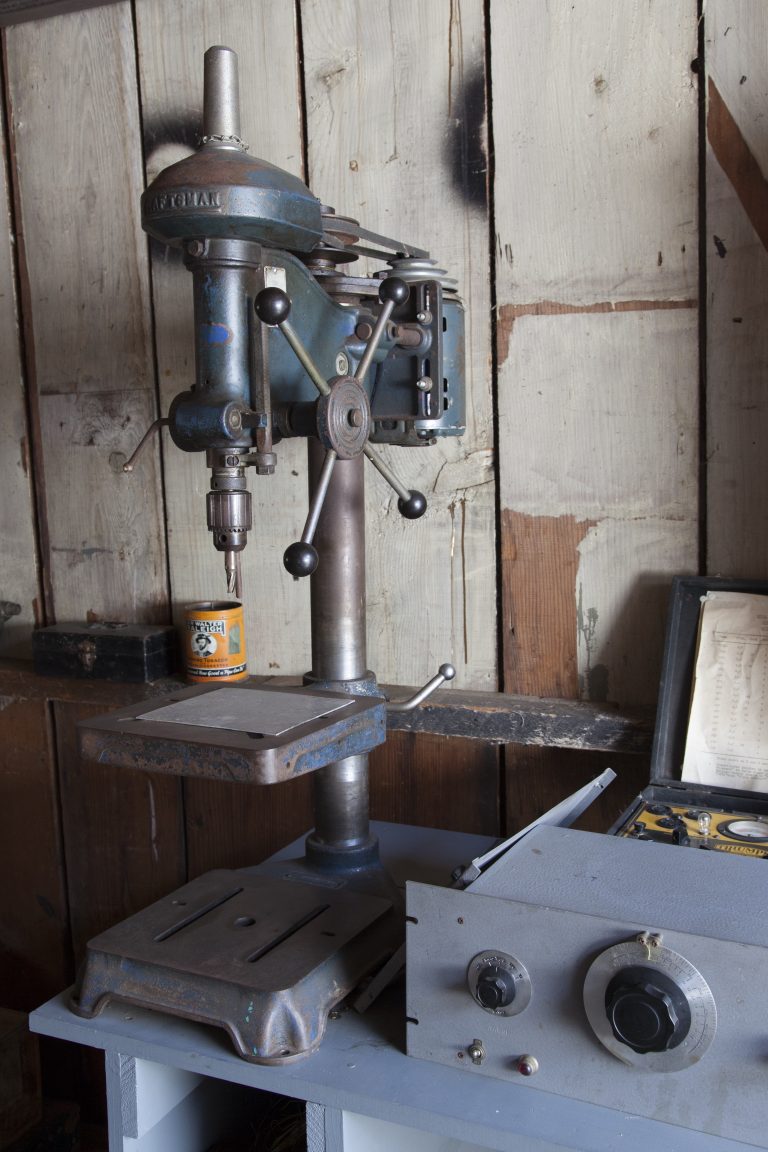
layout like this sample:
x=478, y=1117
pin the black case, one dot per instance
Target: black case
x=126, y=653
x=675, y=691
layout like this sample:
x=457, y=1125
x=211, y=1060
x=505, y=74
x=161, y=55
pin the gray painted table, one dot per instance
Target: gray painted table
x=175, y=1086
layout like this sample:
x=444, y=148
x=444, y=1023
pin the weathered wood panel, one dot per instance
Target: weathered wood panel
x=737, y=281
x=35, y=959
x=596, y=268
x=77, y=158
x=233, y=826
x=596, y=273
x=496, y=717
x=123, y=834
x=436, y=783
x=172, y=39
x=539, y=778
x=20, y=601
x=396, y=121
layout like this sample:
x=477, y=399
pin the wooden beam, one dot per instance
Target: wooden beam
x=503, y=719
x=490, y=716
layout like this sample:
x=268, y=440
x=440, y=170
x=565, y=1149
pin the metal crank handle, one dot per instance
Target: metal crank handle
x=444, y=672
x=301, y=559
x=411, y=504
x=392, y=291
x=273, y=307
x=155, y=426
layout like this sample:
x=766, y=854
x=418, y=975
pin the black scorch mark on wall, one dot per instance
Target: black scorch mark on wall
x=465, y=153
x=173, y=126
x=179, y=127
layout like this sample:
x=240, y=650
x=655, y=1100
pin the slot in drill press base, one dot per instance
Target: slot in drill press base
x=265, y=957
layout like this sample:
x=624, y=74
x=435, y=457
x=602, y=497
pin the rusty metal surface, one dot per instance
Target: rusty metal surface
x=264, y=957
x=121, y=739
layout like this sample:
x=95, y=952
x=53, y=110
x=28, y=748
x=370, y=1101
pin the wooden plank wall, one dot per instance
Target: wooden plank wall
x=550, y=157
x=21, y=605
x=83, y=268
x=736, y=246
x=412, y=166
x=597, y=292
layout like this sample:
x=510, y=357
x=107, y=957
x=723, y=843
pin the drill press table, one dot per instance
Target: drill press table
x=175, y=1084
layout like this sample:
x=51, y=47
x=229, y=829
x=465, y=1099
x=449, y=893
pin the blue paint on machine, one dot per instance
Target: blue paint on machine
x=216, y=333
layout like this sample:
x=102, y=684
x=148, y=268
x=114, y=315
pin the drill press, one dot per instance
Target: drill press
x=288, y=343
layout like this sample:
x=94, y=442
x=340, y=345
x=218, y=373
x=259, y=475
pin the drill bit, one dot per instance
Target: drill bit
x=232, y=569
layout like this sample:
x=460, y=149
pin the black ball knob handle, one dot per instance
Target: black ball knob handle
x=414, y=506
x=300, y=559
x=393, y=290
x=273, y=306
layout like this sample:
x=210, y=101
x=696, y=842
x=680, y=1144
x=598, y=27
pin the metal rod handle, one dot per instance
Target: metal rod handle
x=301, y=558
x=318, y=499
x=155, y=426
x=392, y=291
x=444, y=672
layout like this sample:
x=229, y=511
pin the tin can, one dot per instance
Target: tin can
x=214, y=641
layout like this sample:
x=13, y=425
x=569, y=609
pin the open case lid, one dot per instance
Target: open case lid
x=677, y=675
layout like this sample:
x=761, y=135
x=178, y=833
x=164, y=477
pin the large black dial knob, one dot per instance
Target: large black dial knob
x=647, y=1011
x=495, y=987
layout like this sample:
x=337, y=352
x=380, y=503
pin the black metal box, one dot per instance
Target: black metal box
x=669, y=799
x=128, y=653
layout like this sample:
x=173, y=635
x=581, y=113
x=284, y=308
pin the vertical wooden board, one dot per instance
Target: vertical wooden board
x=737, y=280
x=595, y=150
x=20, y=606
x=599, y=497
x=622, y=599
x=233, y=825
x=172, y=39
x=437, y=783
x=396, y=135
x=596, y=271
x=77, y=158
x=539, y=778
x=123, y=834
x=35, y=960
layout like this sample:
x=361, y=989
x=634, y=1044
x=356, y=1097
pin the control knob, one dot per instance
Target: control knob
x=649, y=1006
x=499, y=982
x=647, y=1010
x=495, y=987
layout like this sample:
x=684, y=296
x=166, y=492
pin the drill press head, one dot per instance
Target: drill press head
x=248, y=231
x=222, y=192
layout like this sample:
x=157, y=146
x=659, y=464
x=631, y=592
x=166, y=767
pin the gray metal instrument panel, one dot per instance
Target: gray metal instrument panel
x=712, y=1078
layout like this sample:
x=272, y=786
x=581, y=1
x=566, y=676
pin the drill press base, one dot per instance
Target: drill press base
x=263, y=956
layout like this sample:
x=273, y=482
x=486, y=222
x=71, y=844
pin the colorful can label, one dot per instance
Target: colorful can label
x=214, y=641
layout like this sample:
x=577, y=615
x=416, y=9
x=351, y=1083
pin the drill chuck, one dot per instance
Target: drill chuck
x=229, y=518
